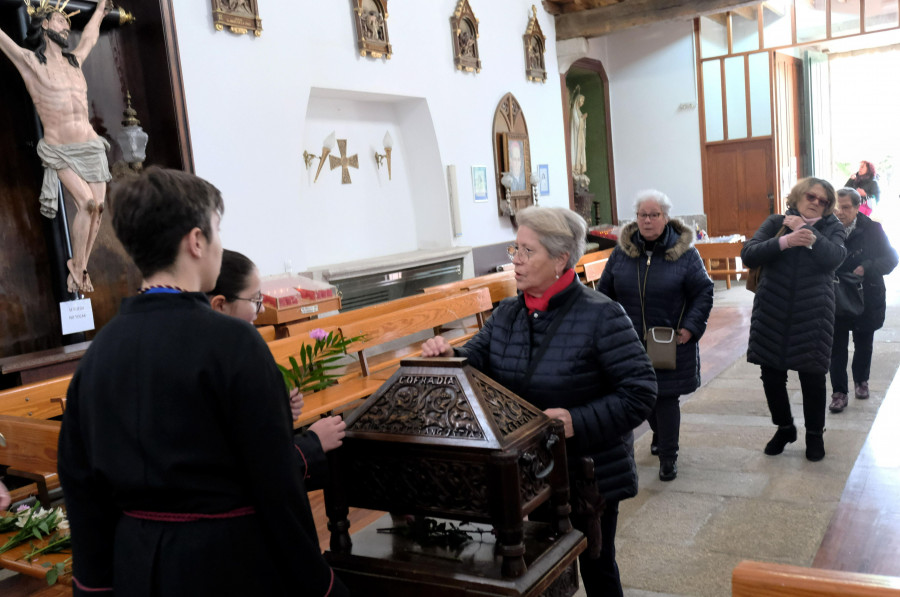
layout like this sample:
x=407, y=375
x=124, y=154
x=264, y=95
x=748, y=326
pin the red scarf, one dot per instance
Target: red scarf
x=540, y=303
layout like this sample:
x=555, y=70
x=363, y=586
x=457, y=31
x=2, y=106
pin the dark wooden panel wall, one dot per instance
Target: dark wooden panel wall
x=140, y=57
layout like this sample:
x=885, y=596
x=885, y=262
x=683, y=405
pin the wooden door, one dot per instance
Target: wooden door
x=741, y=185
x=790, y=147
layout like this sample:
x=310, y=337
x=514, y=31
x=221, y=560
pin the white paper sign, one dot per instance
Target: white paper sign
x=76, y=316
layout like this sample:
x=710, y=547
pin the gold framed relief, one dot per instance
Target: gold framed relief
x=371, y=28
x=535, y=46
x=239, y=16
x=464, y=31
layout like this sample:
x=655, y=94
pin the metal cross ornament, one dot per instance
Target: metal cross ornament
x=344, y=162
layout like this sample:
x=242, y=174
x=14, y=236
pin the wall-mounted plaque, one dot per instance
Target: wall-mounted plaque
x=464, y=30
x=535, y=46
x=239, y=16
x=371, y=28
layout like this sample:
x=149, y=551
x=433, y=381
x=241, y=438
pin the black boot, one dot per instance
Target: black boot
x=668, y=469
x=815, y=446
x=786, y=434
x=654, y=445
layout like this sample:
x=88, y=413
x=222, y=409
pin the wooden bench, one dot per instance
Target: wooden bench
x=333, y=322
x=381, y=330
x=267, y=332
x=593, y=270
x=28, y=448
x=589, y=257
x=763, y=579
x=719, y=259
x=501, y=285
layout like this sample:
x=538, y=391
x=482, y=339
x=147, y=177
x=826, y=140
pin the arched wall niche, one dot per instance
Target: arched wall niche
x=510, y=135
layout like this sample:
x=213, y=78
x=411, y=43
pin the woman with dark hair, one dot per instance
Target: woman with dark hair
x=865, y=181
x=657, y=275
x=871, y=257
x=792, y=323
x=573, y=353
x=238, y=294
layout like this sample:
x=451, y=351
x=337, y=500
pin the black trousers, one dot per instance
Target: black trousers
x=862, y=354
x=665, y=421
x=813, y=387
x=601, y=576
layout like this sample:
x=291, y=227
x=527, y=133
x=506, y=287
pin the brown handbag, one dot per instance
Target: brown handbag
x=756, y=272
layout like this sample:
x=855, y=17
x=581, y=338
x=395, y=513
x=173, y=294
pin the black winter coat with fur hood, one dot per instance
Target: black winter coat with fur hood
x=675, y=279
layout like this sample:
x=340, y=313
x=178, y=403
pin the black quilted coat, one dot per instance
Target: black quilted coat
x=869, y=247
x=792, y=324
x=594, y=367
x=676, y=279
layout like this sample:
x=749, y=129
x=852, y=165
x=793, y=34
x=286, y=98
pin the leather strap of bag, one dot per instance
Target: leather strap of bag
x=545, y=342
x=643, y=290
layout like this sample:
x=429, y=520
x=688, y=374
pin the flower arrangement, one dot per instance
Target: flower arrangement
x=316, y=369
x=37, y=523
x=32, y=523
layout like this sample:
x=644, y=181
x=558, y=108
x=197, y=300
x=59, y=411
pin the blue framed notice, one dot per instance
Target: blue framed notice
x=479, y=183
x=544, y=174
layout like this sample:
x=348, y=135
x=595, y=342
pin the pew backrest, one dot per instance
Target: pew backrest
x=35, y=400
x=593, y=270
x=406, y=322
x=331, y=322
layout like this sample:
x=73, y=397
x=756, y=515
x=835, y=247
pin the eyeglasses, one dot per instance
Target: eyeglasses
x=257, y=301
x=513, y=250
x=653, y=216
x=813, y=198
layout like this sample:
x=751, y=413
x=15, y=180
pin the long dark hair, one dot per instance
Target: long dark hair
x=870, y=172
x=36, y=41
x=236, y=270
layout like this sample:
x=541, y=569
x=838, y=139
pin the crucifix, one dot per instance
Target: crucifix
x=344, y=162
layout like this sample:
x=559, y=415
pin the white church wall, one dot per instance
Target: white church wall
x=255, y=104
x=656, y=139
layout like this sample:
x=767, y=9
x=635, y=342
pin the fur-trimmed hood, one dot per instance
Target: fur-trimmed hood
x=676, y=236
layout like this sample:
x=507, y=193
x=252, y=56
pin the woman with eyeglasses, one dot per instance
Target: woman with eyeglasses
x=792, y=323
x=573, y=353
x=238, y=293
x=657, y=275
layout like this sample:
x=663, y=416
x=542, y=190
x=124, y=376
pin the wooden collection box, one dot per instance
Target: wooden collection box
x=441, y=439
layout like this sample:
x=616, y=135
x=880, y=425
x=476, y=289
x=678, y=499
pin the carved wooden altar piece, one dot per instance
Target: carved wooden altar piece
x=441, y=439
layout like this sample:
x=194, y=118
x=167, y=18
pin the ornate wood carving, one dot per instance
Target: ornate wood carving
x=565, y=585
x=372, y=37
x=508, y=414
x=532, y=463
x=434, y=406
x=240, y=16
x=441, y=439
x=451, y=487
x=535, y=46
x=464, y=31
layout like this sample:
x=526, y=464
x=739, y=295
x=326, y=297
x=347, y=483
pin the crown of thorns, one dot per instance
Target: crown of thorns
x=45, y=9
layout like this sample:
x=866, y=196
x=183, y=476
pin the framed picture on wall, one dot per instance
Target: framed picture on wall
x=517, y=161
x=479, y=183
x=544, y=175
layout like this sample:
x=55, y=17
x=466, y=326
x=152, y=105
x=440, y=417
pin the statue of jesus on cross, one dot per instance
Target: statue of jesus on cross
x=71, y=151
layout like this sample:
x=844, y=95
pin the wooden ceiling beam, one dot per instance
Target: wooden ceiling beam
x=596, y=22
